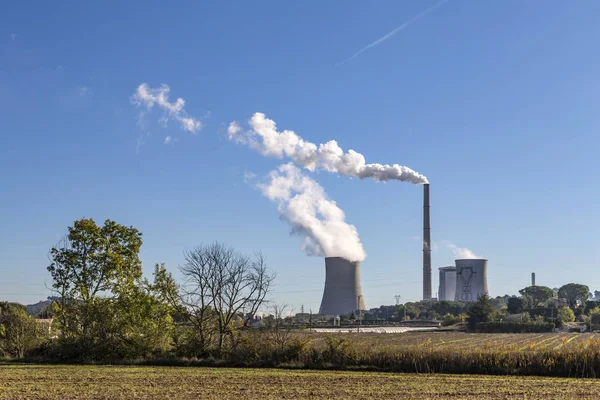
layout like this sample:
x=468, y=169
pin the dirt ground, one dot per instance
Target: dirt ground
x=110, y=382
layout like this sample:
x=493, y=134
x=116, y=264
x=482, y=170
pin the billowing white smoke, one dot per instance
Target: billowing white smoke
x=461, y=252
x=264, y=137
x=303, y=203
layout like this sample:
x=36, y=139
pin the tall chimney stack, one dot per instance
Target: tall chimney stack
x=533, y=279
x=426, y=245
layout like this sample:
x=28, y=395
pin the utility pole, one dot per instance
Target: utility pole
x=397, y=297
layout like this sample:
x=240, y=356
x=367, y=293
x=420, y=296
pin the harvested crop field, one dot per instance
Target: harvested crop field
x=112, y=382
x=465, y=341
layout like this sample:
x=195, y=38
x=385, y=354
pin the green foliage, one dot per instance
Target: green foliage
x=431, y=309
x=105, y=309
x=480, y=311
x=537, y=294
x=574, y=294
x=539, y=319
x=564, y=315
x=514, y=305
x=514, y=327
x=19, y=333
x=450, y=319
x=446, y=307
x=591, y=305
x=94, y=259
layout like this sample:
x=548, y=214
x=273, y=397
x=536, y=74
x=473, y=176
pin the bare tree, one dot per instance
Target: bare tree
x=219, y=285
x=281, y=330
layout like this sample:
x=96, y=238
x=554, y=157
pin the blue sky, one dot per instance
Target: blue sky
x=497, y=103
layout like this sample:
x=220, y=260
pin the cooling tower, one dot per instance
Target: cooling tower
x=342, y=294
x=426, y=245
x=471, y=279
x=447, y=288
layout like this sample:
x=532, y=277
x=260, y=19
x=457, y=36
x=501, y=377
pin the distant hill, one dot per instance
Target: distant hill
x=41, y=306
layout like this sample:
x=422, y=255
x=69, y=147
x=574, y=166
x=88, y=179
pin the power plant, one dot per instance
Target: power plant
x=447, y=288
x=342, y=294
x=465, y=281
x=471, y=279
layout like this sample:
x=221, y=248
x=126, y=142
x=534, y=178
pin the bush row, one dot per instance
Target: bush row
x=514, y=327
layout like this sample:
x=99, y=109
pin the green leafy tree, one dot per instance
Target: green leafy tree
x=564, y=315
x=446, y=307
x=480, y=311
x=537, y=294
x=19, y=333
x=91, y=261
x=574, y=294
x=591, y=305
x=595, y=318
x=412, y=310
x=514, y=305
x=105, y=309
x=144, y=324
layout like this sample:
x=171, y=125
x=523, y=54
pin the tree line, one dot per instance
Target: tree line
x=104, y=308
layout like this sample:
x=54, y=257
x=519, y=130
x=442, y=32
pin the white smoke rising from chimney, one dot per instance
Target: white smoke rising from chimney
x=461, y=252
x=264, y=137
x=303, y=203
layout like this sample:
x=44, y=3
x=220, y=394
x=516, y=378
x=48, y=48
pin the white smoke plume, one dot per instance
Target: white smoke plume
x=264, y=137
x=148, y=97
x=303, y=203
x=461, y=252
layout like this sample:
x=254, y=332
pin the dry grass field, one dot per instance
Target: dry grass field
x=454, y=341
x=112, y=382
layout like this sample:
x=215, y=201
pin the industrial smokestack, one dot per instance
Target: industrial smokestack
x=426, y=245
x=342, y=294
x=533, y=279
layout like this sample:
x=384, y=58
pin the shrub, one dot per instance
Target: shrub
x=514, y=327
x=480, y=311
x=19, y=333
x=565, y=315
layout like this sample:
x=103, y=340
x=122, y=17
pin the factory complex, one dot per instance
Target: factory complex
x=464, y=281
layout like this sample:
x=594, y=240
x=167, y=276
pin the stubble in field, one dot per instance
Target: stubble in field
x=108, y=382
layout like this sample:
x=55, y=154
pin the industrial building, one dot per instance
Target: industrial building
x=342, y=294
x=471, y=279
x=464, y=282
x=447, y=288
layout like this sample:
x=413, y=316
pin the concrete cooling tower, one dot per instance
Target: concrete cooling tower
x=471, y=279
x=342, y=294
x=447, y=289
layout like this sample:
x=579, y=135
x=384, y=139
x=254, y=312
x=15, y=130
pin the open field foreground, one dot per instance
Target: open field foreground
x=461, y=341
x=111, y=382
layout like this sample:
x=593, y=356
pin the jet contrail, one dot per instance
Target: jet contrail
x=392, y=33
